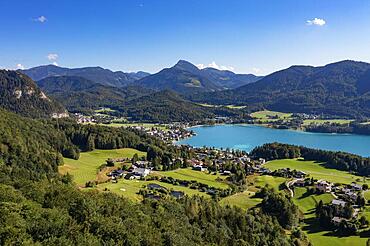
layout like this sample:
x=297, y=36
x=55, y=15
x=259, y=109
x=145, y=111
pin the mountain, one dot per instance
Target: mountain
x=186, y=79
x=78, y=93
x=228, y=79
x=340, y=88
x=165, y=106
x=20, y=94
x=96, y=74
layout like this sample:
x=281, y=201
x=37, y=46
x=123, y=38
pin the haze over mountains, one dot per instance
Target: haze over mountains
x=96, y=74
x=338, y=89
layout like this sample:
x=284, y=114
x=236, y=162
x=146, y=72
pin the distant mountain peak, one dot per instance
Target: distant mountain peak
x=187, y=66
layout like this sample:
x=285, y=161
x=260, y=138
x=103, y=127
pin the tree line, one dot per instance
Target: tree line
x=333, y=159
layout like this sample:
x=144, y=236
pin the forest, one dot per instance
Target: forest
x=38, y=206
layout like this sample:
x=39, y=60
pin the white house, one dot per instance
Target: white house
x=142, y=172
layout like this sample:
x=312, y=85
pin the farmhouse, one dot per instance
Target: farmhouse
x=338, y=202
x=141, y=172
x=199, y=168
x=323, y=186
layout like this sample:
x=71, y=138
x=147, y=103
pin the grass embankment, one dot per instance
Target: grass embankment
x=86, y=167
x=317, y=171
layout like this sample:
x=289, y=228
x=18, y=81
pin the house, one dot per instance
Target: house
x=338, y=202
x=356, y=186
x=300, y=182
x=130, y=176
x=323, y=186
x=262, y=161
x=226, y=172
x=336, y=220
x=141, y=172
x=199, y=168
x=142, y=163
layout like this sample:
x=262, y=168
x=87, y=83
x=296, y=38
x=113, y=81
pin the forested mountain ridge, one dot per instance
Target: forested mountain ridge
x=18, y=93
x=77, y=93
x=96, y=74
x=165, y=106
x=337, y=89
x=185, y=78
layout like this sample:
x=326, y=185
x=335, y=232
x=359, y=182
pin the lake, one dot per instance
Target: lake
x=246, y=137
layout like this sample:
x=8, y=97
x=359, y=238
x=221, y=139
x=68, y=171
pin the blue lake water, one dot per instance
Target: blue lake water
x=246, y=137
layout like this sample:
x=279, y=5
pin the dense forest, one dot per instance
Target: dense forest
x=38, y=206
x=337, y=160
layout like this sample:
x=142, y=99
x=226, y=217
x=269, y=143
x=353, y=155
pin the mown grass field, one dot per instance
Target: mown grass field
x=266, y=115
x=244, y=200
x=145, y=125
x=201, y=177
x=331, y=121
x=317, y=171
x=307, y=204
x=85, y=168
x=130, y=188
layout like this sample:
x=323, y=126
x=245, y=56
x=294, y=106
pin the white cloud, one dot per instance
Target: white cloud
x=20, y=66
x=41, y=19
x=316, y=22
x=55, y=64
x=52, y=57
x=256, y=70
x=216, y=66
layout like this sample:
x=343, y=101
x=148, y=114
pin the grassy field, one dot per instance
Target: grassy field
x=145, y=125
x=104, y=110
x=130, y=188
x=337, y=121
x=267, y=115
x=244, y=200
x=85, y=168
x=216, y=106
x=316, y=236
x=316, y=170
x=201, y=177
x=307, y=203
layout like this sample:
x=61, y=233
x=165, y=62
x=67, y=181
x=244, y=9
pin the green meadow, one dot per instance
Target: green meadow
x=317, y=171
x=130, y=188
x=202, y=177
x=267, y=115
x=86, y=167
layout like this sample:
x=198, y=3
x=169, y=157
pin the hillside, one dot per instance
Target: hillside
x=186, y=79
x=336, y=89
x=19, y=94
x=228, y=79
x=96, y=74
x=165, y=106
x=78, y=93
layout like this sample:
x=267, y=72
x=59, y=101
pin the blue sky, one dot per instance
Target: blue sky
x=258, y=36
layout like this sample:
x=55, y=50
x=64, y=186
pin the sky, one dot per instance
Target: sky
x=245, y=36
